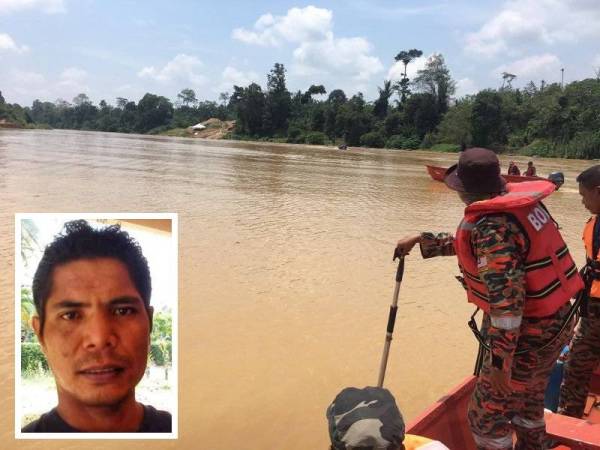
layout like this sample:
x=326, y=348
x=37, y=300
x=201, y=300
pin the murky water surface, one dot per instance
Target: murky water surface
x=285, y=272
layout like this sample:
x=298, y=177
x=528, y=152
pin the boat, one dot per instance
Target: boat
x=437, y=173
x=446, y=421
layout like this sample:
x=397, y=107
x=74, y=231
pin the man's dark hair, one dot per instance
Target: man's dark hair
x=590, y=177
x=80, y=241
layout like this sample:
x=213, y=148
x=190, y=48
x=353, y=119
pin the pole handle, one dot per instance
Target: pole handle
x=400, y=270
x=391, y=318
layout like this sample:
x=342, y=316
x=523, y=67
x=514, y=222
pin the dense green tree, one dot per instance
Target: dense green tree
x=353, y=120
x=249, y=106
x=153, y=111
x=456, y=126
x=486, y=119
x=421, y=114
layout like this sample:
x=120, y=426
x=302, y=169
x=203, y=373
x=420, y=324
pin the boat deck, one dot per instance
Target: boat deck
x=446, y=421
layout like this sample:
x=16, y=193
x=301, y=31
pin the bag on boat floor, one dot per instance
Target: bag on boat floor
x=365, y=418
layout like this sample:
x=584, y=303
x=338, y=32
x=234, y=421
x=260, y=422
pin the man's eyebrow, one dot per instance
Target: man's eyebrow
x=126, y=300
x=68, y=304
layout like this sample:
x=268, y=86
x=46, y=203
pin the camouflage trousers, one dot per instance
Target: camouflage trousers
x=583, y=357
x=493, y=417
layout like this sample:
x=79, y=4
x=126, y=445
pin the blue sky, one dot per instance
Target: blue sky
x=53, y=49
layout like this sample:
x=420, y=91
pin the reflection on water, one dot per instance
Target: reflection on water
x=285, y=271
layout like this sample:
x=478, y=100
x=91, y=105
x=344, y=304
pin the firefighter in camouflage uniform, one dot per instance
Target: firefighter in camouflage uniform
x=584, y=353
x=516, y=268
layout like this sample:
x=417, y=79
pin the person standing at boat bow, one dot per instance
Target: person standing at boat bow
x=516, y=268
x=584, y=354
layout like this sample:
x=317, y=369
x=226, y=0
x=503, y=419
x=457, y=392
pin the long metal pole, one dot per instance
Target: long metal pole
x=391, y=319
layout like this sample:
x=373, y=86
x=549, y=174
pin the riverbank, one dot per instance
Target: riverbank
x=4, y=123
x=223, y=133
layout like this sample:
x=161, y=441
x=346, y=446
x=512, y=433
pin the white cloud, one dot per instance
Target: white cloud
x=72, y=81
x=396, y=72
x=232, y=76
x=8, y=44
x=182, y=68
x=596, y=62
x=72, y=75
x=318, y=51
x=28, y=79
x=522, y=22
x=465, y=86
x=349, y=57
x=297, y=26
x=546, y=66
x=47, y=6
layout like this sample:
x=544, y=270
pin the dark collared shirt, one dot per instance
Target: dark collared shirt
x=154, y=421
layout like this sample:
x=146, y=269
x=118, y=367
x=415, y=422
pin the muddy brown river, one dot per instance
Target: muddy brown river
x=285, y=273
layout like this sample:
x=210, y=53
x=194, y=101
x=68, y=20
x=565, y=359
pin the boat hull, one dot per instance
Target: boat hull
x=446, y=421
x=437, y=173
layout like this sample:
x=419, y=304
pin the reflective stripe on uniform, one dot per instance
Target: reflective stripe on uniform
x=464, y=225
x=551, y=287
x=501, y=443
x=506, y=322
x=560, y=253
x=528, y=423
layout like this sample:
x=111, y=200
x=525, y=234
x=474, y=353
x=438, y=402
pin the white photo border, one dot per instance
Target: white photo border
x=19, y=217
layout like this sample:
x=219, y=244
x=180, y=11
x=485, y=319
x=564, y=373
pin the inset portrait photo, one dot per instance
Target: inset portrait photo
x=96, y=326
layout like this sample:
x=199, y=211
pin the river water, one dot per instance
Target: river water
x=285, y=272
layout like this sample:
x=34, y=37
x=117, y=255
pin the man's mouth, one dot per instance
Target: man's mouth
x=102, y=374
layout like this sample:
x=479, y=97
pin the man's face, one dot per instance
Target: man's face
x=590, y=198
x=96, y=333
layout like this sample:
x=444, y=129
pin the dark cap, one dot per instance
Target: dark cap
x=477, y=171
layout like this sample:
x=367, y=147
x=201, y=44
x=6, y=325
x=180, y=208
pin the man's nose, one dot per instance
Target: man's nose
x=100, y=332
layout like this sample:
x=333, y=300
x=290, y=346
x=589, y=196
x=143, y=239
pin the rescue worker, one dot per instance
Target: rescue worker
x=513, y=169
x=369, y=419
x=584, y=352
x=518, y=270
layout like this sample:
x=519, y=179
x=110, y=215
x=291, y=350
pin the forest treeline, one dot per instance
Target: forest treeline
x=540, y=119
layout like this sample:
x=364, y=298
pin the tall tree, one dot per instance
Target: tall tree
x=507, y=79
x=121, y=102
x=380, y=108
x=81, y=99
x=406, y=56
x=187, y=96
x=249, y=106
x=313, y=90
x=224, y=98
x=435, y=79
x=278, y=101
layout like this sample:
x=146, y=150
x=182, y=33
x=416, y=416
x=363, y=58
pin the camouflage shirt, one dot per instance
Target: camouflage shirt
x=500, y=247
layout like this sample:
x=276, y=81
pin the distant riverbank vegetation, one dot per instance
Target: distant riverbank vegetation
x=539, y=119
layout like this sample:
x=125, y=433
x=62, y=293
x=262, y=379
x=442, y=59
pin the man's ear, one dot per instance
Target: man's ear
x=151, y=317
x=37, y=328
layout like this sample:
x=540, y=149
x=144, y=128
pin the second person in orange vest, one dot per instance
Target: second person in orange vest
x=584, y=353
x=516, y=268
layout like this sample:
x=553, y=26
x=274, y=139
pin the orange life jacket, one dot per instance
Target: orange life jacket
x=588, y=240
x=551, y=277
